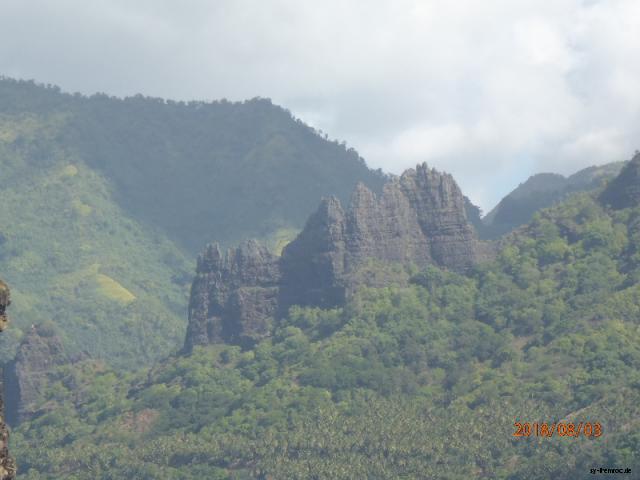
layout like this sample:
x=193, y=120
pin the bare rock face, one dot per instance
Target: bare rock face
x=311, y=263
x=7, y=465
x=624, y=190
x=27, y=376
x=234, y=296
x=419, y=219
x=5, y=301
x=440, y=207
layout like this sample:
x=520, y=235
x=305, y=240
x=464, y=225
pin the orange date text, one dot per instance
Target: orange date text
x=561, y=429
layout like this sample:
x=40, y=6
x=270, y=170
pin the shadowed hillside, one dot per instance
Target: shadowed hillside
x=198, y=171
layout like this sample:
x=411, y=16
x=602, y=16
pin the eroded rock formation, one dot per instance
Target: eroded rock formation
x=27, y=376
x=234, y=296
x=7, y=465
x=418, y=219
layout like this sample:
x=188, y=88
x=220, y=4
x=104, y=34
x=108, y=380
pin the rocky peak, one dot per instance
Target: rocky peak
x=624, y=190
x=7, y=465
x=311, y=263
x=440, y=207
x=210, y=259
x=27, y=376
x=418, y=219
x=233, y=296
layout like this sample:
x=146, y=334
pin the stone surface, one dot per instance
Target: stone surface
x=418, y=219
x=7, y=465
x=4, y=303
x=624, y=190
x=27, y=376
x=234, y=296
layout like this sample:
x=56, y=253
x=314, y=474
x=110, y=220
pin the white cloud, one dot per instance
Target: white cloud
x=491, y=91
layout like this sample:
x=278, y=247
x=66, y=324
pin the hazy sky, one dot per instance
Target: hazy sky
x=489, y=90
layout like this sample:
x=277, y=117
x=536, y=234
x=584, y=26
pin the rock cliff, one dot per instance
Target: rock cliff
x=234, y=296
x=418, y=219
x=27, y=376
x=7, y=465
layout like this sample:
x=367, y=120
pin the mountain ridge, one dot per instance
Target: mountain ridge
x=419, y=219
x=540, y=191
x=178, y=165
x=408, y=378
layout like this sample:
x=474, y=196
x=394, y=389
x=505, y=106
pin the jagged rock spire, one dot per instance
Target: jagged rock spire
x=233, y=296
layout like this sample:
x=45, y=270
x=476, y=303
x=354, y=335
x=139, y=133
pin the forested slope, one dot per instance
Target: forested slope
x=104, y=202
x=200, y=171
x=418, y=381
x=540, y=191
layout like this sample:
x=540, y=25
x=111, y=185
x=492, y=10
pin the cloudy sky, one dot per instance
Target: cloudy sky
x=489, y=90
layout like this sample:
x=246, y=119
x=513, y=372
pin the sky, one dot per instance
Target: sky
x=491, y=91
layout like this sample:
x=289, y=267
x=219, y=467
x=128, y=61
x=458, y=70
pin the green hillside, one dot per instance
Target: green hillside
x=104, y=203
x=200, y=172
x=540, y=191
x=71, y=255
x=422, y=381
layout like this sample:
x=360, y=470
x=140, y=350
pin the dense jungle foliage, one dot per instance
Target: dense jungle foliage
x=420, y=380
x=199, y=171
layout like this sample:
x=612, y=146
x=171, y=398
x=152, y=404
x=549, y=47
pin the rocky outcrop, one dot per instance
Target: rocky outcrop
x=7, y=465
x=234, y=296
x=624, y=190
x=5, y=301
x=28, y=375
x=419, y=219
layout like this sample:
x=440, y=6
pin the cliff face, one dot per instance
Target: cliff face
x=419, y=219
x=27, y=376
x=7, y=465
x=234, y=296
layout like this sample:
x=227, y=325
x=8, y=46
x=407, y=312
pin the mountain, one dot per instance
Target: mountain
x=7, y=464
x=425, y=375
x=540, y=191
x=418, y=220
x=624, y=190
x=105, y=202
x=197, y=171
x=74, y=257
